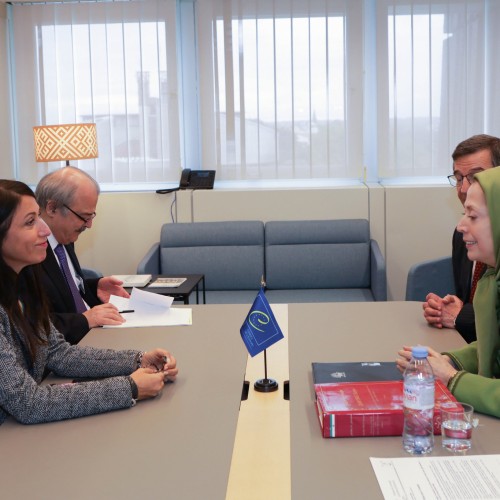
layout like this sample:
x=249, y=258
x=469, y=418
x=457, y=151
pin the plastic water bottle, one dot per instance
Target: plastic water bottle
x=418, y=403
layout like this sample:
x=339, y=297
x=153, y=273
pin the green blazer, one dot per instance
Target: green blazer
x=482, y=393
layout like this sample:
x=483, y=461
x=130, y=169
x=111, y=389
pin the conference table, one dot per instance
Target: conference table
x=199, y=440
x=177, y=445
x=372, y=331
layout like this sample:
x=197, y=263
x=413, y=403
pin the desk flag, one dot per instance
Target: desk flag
x=260, y=329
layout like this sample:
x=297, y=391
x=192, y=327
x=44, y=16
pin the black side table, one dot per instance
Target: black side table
x=183, y=291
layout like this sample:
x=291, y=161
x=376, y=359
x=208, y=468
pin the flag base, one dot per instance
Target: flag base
x=266, y=385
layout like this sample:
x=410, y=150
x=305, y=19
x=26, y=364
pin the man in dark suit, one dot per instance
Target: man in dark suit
x=68, y=199
x=471, y=156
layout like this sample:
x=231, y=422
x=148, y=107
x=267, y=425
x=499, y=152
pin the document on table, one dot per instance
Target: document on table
x=149, y=309
x=453, y=477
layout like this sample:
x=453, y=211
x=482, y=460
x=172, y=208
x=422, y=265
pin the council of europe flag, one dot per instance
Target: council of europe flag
x=260, y=328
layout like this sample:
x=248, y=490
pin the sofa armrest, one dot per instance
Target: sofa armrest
x=150, y=263
x=378, y=272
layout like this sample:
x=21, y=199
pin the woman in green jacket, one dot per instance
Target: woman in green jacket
x=473, y=373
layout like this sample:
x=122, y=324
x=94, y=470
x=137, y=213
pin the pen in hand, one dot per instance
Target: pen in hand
x=126, y=311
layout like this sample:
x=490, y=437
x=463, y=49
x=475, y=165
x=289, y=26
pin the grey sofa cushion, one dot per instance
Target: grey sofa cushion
x=320, y=295
x=317, y=254
x=231, y=297
x=229, y=254
x=291, y=296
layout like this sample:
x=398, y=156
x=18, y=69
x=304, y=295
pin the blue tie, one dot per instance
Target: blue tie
x=77, y=298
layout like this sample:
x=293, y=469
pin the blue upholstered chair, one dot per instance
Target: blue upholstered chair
x=435, y=275
x=89, y=273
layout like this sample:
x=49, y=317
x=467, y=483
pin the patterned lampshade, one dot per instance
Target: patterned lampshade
x=65, y=142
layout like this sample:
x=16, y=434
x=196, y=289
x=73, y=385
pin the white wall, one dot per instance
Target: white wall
x=411, y=223
x=129, y=223
x=281, y=204
x=419, y=225
x=126, y=226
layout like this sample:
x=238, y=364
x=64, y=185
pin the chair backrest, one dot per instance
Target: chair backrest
x=434, y=275
x=317, y=254
x=230, y=253
x=88, y=273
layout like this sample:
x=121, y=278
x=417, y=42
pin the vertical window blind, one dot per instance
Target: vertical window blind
x=111, y=63
x=257, y=89
x=285, y=98
x=436, y=67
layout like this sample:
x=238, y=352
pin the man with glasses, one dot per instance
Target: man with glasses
x=68, y=198
x=471, y=156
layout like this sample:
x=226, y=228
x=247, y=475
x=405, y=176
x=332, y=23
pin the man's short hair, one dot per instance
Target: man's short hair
x=479, y=143
x=60, y=186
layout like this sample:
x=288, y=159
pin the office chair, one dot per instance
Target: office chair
x=435, y=275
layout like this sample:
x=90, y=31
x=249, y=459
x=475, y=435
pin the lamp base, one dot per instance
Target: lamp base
x=266, y=385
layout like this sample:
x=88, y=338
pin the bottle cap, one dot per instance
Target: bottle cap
x=419, y=351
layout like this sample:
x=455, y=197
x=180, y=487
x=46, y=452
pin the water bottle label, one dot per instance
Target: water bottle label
x=418, y=398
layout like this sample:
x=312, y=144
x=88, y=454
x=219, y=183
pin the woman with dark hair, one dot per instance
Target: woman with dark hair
x=30, y=345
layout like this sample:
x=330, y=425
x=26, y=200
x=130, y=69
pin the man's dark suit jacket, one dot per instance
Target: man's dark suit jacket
x=462, y=271
x=74, y=326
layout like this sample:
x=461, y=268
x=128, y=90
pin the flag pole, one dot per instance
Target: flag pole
x=265, y=384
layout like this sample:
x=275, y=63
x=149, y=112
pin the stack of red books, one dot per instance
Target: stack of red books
x=370, y=408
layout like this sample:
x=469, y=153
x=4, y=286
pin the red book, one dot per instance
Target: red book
x=349, y=409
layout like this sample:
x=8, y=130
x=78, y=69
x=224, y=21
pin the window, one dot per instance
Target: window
x=281, y=78
x=435, y=82
x=109, y=63
x=257, y=89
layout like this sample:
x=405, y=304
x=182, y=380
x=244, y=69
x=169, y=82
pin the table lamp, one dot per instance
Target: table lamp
x=65, y=142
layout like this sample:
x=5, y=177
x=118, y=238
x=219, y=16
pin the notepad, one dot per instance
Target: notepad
x=149, y=309
x=134, y=280
x=167, y=282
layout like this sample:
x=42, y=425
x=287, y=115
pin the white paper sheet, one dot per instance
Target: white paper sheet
x=446, y=478
x=150, y=309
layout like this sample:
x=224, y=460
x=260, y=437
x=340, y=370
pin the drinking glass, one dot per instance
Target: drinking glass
x=457, y=422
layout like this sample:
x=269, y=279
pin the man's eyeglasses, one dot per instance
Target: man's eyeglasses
x=86, y=220
x=458, y=180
